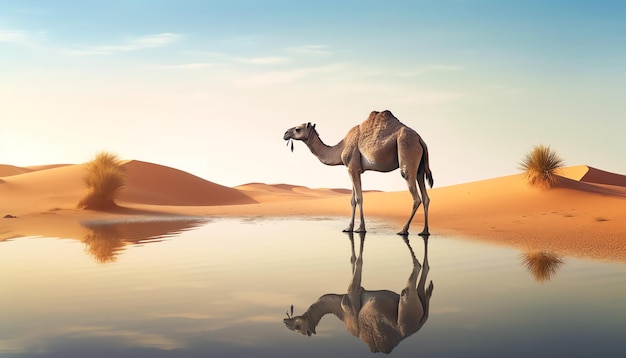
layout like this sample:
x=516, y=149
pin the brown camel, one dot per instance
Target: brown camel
x=381, y=143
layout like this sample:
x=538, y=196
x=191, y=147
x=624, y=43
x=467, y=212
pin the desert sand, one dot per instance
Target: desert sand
x=585, y=216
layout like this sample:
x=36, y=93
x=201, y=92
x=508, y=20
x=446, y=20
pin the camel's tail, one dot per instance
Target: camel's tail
x=424, y=167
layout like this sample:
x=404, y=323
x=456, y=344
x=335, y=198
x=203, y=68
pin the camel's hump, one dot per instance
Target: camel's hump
x=380, y=121
x=384, y=115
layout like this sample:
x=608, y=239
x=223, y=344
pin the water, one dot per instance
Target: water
x=222, y=287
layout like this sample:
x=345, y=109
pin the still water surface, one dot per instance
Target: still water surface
x=222, y=287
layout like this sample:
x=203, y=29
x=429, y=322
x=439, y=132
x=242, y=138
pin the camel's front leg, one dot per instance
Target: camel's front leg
x=357, y=199
x=350, y=227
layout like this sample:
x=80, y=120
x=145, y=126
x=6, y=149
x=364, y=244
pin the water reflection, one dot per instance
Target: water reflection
x=106, y=239
x=542, y=265
x=380, y=318
x=103, y=243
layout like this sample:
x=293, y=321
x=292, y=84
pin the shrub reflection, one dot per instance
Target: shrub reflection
x=542, y=265
x=105, y=240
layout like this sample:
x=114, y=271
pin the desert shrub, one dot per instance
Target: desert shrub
x=541, y=166
x=105, y=177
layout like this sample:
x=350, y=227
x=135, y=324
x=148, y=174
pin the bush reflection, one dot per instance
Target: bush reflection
x=542, y=265
x=105, y=240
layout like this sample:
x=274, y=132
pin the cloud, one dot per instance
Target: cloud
x=224, y=61
x=429, y=69
x=154, y=40
x=311, y=50
x=264, y=60
x=288, y=76
x=391, y=91
x=132, y=44
x=13, y=36
x=428, y=97
x=186, y=66
x=20, y=36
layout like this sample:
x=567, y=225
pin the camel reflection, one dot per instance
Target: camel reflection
x=380, y=318
x=541, y=264
x=105, y=240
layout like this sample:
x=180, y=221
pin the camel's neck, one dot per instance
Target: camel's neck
x=329, y=155
x=330, y=303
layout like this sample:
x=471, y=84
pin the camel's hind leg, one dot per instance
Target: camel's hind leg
x=421, y=182
x=411, y=183
x=417, y=201
x=409, y=158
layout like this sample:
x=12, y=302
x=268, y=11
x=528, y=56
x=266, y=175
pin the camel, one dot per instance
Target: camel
x=381, y=143
x=382, y=318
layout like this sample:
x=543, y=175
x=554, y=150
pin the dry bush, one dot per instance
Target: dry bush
x=104, y=179
x=541, y=166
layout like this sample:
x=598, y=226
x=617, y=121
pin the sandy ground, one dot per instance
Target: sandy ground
x=584, y=216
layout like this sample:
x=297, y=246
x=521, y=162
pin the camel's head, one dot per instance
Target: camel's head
x=301, y=132
x=299, y=324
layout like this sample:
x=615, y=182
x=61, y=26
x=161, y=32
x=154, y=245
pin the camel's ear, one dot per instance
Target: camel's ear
x=308, y=124
x=313, y=125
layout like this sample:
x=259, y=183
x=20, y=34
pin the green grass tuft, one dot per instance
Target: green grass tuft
x=104, y=179
x=541, y=166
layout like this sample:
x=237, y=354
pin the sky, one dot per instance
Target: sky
x=209, y=87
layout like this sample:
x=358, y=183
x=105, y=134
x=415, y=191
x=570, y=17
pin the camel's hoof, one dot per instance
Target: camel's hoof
x=424, y=234
x=403, y=233
x=347, y=230
x=361, y=230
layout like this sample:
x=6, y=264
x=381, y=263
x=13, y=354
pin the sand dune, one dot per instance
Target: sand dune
x=584, y=216
x=598, y=176
x=44, y=167
x=54, y=187
x=10, y=170
x=154, y=184
x=43, y=189
x=281, y=192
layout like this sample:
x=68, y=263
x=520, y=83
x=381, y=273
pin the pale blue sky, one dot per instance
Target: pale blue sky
x=209, y=87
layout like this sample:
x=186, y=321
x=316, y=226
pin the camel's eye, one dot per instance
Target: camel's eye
x=297, y=327
x=298, y=130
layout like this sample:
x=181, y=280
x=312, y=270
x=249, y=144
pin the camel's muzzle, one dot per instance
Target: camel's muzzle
x=288, y=137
